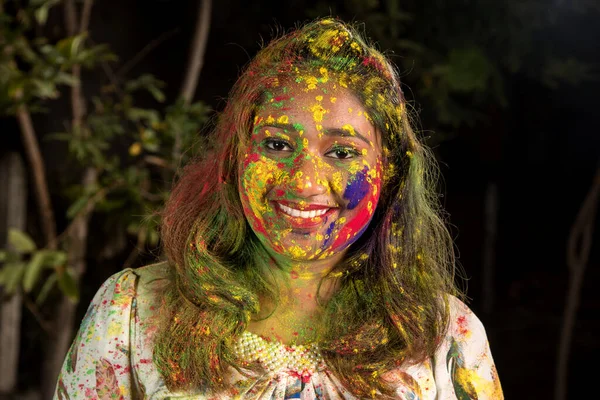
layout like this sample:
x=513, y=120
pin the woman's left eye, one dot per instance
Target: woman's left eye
x=342, y=153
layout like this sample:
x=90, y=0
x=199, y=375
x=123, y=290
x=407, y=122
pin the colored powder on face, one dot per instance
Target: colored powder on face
x=352, y=230
x=328, y=235
x=279, y=101
x=357, y=189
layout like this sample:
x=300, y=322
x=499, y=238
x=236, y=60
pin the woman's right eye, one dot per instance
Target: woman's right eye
x=278, y=145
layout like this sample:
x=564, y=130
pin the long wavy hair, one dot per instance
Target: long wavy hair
x=391, y=307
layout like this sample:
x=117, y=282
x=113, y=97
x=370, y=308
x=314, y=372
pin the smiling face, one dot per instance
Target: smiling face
x=311, y=177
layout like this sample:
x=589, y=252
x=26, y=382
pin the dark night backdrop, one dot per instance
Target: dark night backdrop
x=542, y=153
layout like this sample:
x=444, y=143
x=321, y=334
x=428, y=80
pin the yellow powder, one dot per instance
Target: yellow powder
x=349, y=128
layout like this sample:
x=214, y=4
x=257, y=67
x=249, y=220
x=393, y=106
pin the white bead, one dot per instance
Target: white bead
x=274, y=356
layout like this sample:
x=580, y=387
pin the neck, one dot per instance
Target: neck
x=298, y=311
x=305, y=275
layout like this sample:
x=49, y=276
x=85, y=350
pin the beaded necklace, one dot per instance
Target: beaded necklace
x=275, y=356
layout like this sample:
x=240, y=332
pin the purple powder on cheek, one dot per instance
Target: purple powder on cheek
x=357, y=188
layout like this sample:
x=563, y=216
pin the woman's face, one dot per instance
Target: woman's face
x=311, y=176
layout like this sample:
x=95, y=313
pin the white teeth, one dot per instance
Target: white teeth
x=302, y=214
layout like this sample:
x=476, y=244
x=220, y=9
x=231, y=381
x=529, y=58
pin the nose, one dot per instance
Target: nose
x=309, y=178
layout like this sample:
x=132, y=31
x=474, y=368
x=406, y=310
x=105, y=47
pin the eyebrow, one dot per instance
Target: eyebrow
x=345, y=133
x=328, y=132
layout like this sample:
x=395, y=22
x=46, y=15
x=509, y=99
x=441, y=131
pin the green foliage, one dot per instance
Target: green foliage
x=569, y=70
x=134, y=149
x=456, y=55
x=33, y=70
x=26, y=266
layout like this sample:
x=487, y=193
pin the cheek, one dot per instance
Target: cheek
x=357, y=188
x=257, y=176
x=362, y=193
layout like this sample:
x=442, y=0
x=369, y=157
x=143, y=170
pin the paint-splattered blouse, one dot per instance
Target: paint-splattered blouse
x=111, y=357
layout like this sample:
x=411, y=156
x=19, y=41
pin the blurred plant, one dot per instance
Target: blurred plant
x=24, y=264
x=456, y=55
x=122, y=157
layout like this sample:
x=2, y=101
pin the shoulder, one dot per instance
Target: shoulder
x=132, y=283
x=151, y=283
x=112, y=344
x=151, y=277
x=463, y=324
x=123, y=297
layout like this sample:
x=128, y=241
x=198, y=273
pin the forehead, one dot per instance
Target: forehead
x=318, y=101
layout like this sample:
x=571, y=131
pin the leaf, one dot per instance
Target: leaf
x=569, y=70
x=68, y=285
x=3, y=255
x=11, y=276
x=21, y=241
x=66, y=79
x=456, y=368
x=61, y=391
x=33, y=269
x=153, y=237
x=77, y=206
x=55, y=258
x=138, y=114
x=468, y=70
x=107, y=385
x=44, y=89
x=41, y=15
x=71, y=360
x=48, y=285
x=157, y=94
x=70, y=46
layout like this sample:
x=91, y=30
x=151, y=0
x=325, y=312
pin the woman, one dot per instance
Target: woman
x=306, y=255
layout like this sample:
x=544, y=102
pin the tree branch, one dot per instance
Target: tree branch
x=86, y=14
x=195, y=62
x=142, y=53
x=196, y=59
x=90, y=205
x=70, y=14
x=33, y=309
x=582, y=230
x=64, y=312
x=141, y=240
x=36, y=163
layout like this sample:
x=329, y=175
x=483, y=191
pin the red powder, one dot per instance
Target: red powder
x=462, y=322
x=254, y=157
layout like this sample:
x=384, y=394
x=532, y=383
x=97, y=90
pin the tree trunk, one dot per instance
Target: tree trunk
x=577, y=258
x=13, y=211
x=38, y=172
x=64, y=318
x=194, y=65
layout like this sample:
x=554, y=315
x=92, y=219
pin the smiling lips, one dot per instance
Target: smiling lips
x=302, y=214
x=309, y=216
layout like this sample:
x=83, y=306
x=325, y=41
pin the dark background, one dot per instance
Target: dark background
x=541, y=151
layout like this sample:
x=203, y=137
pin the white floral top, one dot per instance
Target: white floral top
x=111, y=357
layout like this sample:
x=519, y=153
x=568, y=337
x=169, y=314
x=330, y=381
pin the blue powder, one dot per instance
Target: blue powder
x=328, y=235
x=357, y=189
